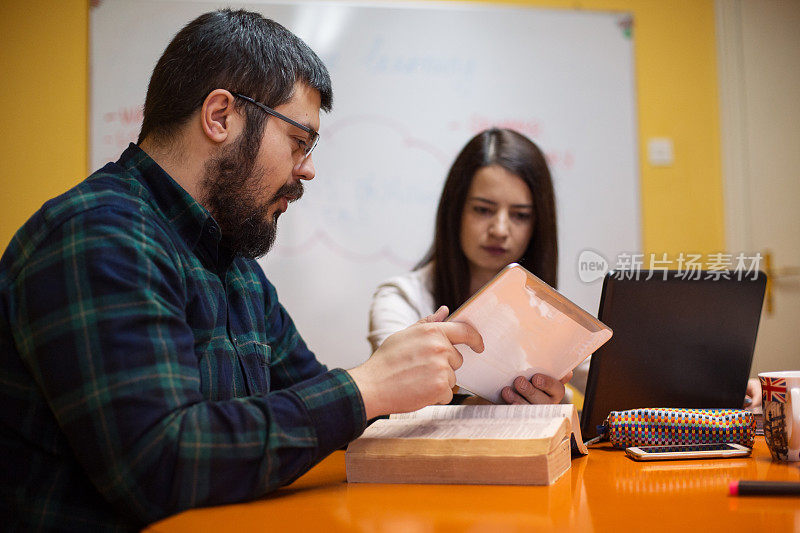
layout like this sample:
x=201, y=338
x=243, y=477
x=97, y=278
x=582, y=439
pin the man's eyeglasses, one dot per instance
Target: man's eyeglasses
x=313, y=136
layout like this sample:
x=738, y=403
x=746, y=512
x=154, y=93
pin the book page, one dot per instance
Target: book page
x=466, y=429
x=502, y=412
x=490, y=411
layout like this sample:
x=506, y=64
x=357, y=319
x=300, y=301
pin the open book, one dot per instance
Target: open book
x=474, y=444
x=527, y=328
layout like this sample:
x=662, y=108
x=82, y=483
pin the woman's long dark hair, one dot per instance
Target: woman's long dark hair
x=519, y=155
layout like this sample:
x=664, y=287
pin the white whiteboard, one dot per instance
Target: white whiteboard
x=412, y=83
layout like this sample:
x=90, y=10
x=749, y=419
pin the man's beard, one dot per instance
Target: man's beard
x=232, y=191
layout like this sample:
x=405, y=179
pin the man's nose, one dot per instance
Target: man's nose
x=305, y=169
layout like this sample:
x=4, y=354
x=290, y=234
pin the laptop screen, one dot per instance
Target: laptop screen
x=678, y=342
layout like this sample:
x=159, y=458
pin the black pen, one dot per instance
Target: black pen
x=746, y=487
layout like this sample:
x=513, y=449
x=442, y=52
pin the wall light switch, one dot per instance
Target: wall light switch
x=660, y=152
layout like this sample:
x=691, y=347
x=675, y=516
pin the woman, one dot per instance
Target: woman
x=497, y=207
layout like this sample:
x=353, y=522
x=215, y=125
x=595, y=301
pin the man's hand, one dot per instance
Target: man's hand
x=540, y=389
x=414, y=367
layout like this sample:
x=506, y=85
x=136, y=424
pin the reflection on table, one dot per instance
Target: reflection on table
x=604, y=491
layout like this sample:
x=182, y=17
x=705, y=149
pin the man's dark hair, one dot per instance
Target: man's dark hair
x=236, y=50
x=520, y=156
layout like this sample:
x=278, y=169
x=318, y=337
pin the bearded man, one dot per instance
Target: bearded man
x=147, y=366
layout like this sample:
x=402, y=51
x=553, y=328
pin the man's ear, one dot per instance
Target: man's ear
x=217, y=116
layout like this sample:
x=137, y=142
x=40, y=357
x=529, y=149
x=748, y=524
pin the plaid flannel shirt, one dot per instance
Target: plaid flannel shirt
x=143, y=370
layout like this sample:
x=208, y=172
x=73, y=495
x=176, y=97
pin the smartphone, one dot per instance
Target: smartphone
x=687, y=451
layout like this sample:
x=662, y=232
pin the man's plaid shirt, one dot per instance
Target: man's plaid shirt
x=143, y=370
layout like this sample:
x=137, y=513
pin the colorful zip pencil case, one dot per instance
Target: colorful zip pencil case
x=669, y=426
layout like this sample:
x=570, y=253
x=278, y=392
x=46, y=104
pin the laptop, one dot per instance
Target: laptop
x=678, y=342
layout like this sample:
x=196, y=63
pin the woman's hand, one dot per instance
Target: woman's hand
x=540, y=389
x=752, y=397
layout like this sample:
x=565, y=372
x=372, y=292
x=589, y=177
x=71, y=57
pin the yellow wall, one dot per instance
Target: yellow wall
x=44, y=94
x=44, y=61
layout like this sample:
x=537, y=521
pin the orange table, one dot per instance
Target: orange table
x=604, y=491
